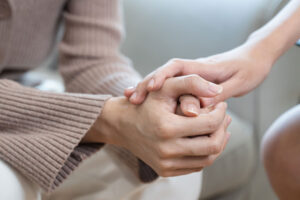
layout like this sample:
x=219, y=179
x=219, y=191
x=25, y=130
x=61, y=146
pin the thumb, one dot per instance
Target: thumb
x=230, y=89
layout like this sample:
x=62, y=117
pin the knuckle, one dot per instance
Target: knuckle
x=193, y=78
x=212, y=122
x=191, y=81
x=165, y=165
x=140, y=85
x=193, y=152
x=175, y=61
x=209, y=161
x=163, y=151
x=215, y=147
x=164, y=131
x=164, y=174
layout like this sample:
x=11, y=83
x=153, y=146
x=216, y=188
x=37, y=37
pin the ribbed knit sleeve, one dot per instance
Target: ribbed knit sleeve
x=90, y=61
x=41, y=131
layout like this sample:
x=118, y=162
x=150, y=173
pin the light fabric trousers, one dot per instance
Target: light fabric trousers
x=102, y=177
x=16, y=187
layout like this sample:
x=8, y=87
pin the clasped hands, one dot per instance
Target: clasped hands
x=177, y=139
x=174, y=139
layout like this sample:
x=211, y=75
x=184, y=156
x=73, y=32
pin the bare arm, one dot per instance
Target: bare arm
x=279, y=34
x=239, y=70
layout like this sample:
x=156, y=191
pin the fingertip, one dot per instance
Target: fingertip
x=190, y=106
x=127, y=94
x=133, y=98
x=155, y=85
x=137, y=98
x=129, y=91
x=228, y=135
x=190, y=112
x=229, y=120
x=151, y=84
x=221, y=105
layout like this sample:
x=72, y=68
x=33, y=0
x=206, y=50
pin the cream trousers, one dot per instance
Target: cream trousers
x=101, y=177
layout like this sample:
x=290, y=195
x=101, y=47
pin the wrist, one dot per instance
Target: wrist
x=271, y=41
x=261, y=52
x=106, y=124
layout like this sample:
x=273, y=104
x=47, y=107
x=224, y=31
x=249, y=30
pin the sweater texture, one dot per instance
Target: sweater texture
x=41, y=132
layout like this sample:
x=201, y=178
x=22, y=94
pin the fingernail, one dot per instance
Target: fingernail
x=133, y=96
x=151, y=84
x=215, y=88
x=130, y=88
x=191, y=108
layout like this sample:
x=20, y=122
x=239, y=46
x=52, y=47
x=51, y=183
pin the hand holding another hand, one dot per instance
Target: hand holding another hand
x=171, y=144
x=237, y=72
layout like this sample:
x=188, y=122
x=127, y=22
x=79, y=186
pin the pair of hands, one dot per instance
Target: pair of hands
x=172, y=144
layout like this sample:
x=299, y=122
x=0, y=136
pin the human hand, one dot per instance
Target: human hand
x=171, y=144
x=238, y=71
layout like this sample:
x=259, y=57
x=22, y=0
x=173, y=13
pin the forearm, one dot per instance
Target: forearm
x=278, y=35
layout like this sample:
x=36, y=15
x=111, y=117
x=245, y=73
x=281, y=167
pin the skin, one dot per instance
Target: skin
x=171, y=144
x=239, y=71
x=280, y=153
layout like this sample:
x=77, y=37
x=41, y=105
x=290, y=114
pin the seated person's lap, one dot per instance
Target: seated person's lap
x=15, y=186
x=104, y=176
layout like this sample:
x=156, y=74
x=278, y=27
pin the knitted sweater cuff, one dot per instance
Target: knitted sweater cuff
x=41, y=131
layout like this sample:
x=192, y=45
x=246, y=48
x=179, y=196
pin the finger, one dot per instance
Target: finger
x=190, y=84
x=221, y=136
x=226, y=138
x=129, y=91
x=140, y=92
x=154, y=81
x=188, y=162
x=180, y=172
x=198, y=146
x=230, y=89
x=192, y=162
x=170, y=69
x=190, y=105
x=206, y=123
x=178, y=67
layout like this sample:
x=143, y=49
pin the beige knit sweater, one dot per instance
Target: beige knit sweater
x=40, y=132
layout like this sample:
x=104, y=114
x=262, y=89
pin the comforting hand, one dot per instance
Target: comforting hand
x=238, y=71
x=171, y=144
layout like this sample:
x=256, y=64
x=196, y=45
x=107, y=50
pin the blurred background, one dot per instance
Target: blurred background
x=160, y=30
